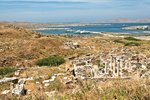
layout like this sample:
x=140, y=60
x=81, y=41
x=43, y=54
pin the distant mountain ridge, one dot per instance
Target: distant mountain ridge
x=126, y=20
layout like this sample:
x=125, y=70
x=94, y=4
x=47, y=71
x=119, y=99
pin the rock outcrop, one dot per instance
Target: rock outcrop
x=137, y=28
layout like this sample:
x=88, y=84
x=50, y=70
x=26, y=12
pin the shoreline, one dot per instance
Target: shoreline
x=36, y=29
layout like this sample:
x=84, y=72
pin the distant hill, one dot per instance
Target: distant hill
x=126, y=20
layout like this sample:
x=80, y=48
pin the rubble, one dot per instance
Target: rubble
x=46, y=85
x=67, y=80
x=71, y=45
x=46, y=81
x=19, y=88
x=5, y=79
x=5, y=92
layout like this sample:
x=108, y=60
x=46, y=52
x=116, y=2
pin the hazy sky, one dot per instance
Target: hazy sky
x=72, y=10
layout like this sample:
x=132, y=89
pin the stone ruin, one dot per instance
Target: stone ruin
x=71, y=45
x=19, y=88
x=115, y=64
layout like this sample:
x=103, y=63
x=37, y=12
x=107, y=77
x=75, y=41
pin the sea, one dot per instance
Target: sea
x=96, y=28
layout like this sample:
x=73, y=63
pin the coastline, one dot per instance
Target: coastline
x=49, y=29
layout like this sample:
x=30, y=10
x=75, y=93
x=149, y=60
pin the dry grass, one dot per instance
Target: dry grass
x=116, y=89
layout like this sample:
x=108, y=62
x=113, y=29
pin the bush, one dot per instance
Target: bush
x=51, y=61
x=132, y=44
x=7, y=70
x=131, y=39
x=119, y=41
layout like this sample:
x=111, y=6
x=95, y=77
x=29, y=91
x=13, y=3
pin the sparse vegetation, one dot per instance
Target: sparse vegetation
x=131, y=39
x=110, y=90
x=56, y=86
x=7, y=70
x=127, y=43
x=132, y=44
x=51, y=61
x=119, y=41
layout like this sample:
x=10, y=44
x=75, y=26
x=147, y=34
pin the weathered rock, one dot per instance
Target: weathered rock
x=5, y=92
x=67, y=80
x=46, y=85
x=12, y=79
x=46, y=81
x=146, y=75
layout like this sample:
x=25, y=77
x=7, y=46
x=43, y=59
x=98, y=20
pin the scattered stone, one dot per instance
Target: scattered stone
x=4, y=80
x=29, y=92
x=71, y=45
x=5, y=92
x=46, y=81
x=45, y=77
x=46, y=85
x=17, y=73
x=67, y=80
x=37, y=82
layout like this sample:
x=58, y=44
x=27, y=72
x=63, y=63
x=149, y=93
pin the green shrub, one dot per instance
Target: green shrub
x=7, y=70
x=51, y=61
x=131, y=39
x=119, y=41
x=132, y=44
x=128, y=43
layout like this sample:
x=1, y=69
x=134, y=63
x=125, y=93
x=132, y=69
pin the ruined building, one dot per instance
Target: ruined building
x=115, y=64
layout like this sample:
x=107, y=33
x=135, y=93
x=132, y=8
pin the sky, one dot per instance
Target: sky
x=72, y=10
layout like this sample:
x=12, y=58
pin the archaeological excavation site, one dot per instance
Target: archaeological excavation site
x=36, y=66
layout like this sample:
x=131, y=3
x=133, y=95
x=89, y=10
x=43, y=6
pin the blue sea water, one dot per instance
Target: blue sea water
x=90, y=29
